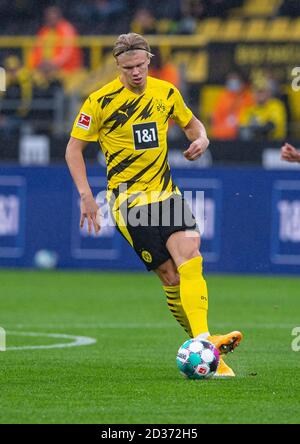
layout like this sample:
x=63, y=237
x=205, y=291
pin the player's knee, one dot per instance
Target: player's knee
x=189, y=252
x=173, y=279
x=192, y=254
x=193, y=246
x=168, y=276
x=183, y=246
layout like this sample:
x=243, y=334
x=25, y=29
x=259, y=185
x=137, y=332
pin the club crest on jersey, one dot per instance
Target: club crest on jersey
x=160, y=107
x=84, y=121
x=147, y=256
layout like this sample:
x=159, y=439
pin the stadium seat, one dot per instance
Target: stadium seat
x=197, y=68
x=209, y=28
x=232, y=29
x=164, y=26
x=181, y=58
x=73, y=83
x=260, y=8
x=294, y=31
x=279, y=29
x=294, y=104
x=194, y=65
x=99, y=77
x=208, y=98
x=255, y=29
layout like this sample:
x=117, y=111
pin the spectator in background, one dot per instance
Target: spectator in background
x=289, y=7
x=266, y=119
x=164, y=70
x=107, y=9
x=48, y=90
x=275, y=80
x=191, y=12
x=235, y=98
x=45, y=82
x=56, y=44
x=220, y=8
x=143, y=22
x=103, y=16
x=16, y=100
x=161, y=9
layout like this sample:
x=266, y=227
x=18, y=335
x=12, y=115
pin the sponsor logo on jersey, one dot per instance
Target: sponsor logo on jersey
x=84, y=121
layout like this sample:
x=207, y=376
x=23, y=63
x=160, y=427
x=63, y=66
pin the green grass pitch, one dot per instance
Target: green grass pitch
x=129, y=375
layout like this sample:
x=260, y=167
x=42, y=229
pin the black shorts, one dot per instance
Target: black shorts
x=148, y=228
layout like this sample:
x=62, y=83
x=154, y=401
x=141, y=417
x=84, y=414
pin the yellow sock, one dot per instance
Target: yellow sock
x=175, y=307
x=193, y=295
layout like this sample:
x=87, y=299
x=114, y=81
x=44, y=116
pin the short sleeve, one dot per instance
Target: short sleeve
x=86, y=125
x=181, y=114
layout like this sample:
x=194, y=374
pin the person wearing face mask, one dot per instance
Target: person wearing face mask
x=233, y=100
x=267, y=119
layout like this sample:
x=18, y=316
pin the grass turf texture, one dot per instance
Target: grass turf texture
x=130, y=375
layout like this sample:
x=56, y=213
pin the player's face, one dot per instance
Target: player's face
x=134, y=69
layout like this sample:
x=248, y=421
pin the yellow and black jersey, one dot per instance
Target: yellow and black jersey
x=132, y=132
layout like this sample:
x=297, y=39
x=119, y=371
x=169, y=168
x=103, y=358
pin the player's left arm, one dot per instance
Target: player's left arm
x=196, y=133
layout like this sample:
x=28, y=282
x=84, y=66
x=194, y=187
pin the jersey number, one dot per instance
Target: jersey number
x=145, y=136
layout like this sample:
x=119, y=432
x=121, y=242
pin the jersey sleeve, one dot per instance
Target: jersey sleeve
x=181, y=114
x=87, y=123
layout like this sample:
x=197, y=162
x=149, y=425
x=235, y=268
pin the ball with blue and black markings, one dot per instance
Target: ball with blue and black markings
x=197, y=359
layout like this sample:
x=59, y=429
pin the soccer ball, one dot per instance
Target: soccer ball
x=197, y=359
x=45, y=259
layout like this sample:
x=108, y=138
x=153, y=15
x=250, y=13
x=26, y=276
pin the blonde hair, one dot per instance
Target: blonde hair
x=131, y=42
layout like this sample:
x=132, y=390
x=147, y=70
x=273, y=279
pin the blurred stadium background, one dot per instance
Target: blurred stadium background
x=233, y=61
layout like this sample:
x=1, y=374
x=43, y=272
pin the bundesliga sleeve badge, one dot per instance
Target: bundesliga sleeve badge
x=84, y=121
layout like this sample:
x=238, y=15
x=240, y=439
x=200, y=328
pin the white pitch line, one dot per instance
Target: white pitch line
x=77, y=340
x=103, y=326
x=98, y=325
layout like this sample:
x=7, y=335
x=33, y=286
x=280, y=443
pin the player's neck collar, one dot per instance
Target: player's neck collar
x=130, y=90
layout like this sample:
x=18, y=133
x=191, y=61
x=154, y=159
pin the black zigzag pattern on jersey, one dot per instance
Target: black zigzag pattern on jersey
x=135, y=178
x=171, y=92
x=146, y=112
x=109, y=97
x=127, y=202
x=130, y=200
x=170, y=113
x=123, y=114
x=112, y=156
x=123, y=165
x=166, y=177
x=163, y=166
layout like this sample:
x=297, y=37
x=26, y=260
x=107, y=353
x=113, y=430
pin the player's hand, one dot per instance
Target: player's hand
x=89, y=210
x=289, y=153
x=196, y=148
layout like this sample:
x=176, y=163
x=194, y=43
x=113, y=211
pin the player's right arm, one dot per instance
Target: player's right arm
x=76, y=164
x=289, y=153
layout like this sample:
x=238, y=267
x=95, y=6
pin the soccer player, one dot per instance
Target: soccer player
x=129, y=117
x=289, y=153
